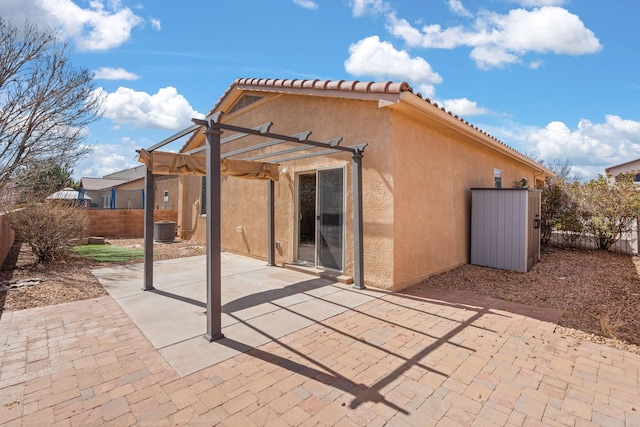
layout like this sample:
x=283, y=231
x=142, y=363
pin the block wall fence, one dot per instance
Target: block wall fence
x=124, y=224
x=6, y=238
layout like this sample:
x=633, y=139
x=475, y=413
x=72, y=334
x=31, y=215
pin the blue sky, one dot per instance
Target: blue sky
x=559, y=79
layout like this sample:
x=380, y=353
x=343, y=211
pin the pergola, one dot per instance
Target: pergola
x=215, y=163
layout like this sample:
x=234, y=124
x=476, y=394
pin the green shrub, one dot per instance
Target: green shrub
x=608, y=210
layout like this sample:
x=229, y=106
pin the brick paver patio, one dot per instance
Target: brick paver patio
x=419, y=358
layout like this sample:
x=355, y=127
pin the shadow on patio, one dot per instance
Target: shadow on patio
x=370, y=344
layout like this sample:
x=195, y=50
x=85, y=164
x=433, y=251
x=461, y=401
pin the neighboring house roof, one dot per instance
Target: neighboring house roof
x=67, y=194
x=626, y=166
x=113, y=180
x=95, y=184
x=129, y=174
x=394, y=95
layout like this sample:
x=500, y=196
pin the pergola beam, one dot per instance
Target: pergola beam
x=213, y=204
x=233, y=137
x=173, y=138
x=285, y=137
x=303, y=135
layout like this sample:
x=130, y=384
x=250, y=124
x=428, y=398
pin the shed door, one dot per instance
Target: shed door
x=533, y=217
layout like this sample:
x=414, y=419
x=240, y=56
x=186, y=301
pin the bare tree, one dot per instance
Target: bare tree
x=40, y=179
x=45, y=102
x=565, y=171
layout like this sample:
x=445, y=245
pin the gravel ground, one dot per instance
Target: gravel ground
x=599, y=293
x=71, y=278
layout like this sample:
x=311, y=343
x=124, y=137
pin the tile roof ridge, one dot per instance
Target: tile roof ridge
x=387, y=87
x=342, y=85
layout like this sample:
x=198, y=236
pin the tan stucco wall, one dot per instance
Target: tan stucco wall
x=7, y=236
x=629, y=167
x=138, y=184
x=170, y=184
x=245, y=202
x=189, y=217
x=434, y=172
x=416, y=181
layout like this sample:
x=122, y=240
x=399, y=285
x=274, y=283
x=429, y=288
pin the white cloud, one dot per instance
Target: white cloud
x=464, y=107
x=109, y=158
x=458, y=8
x=487, y=57
x=97, y=27
x=155, y=24
x=538, y=3
x=307, y=4
x=498, y=39
x=371, y=57
x=110, y=73
x=371, y=7
x=166, y=109
x=591, y=147
x=536, y=64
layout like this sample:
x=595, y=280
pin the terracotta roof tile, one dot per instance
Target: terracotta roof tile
x=347, y=86
x=352, y=85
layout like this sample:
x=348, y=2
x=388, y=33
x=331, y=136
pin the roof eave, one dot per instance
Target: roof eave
x=449, y=121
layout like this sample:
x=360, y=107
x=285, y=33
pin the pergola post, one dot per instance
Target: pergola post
x=271, y=255
x=149, y=201
x=358, y=258
x=214, y=265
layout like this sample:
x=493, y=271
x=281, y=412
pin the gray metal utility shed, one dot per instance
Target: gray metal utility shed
x=505, y=228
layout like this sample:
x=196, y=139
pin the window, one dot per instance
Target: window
x=637, y=178
x=166, y=200
x=497, y=178
x=106, y=202
x=203, y=196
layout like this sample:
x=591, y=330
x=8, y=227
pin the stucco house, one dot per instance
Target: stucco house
x=125, y=190
x=630, y=167
x=419, y=164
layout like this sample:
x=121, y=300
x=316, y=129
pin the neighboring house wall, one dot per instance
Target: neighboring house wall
x=632, y=167
x=416, y=187
x=7, y=236
x=123, y=223
x=169, y=184
x=128, y=195
x=125, y=199
x=95, y=198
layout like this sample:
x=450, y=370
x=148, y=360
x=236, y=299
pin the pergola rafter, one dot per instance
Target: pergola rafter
x=214, y=129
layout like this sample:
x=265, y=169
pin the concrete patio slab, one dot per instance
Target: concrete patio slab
x=259, y=304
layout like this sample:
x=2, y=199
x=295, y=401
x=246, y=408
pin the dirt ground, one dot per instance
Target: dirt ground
x=71, y=278
x=599, y=293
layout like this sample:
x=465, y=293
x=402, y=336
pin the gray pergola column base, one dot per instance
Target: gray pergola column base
x=358, y=247
x=214, y=245
x=271, y=255
x=149, y=201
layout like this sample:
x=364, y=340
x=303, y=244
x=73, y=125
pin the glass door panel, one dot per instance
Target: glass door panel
x=330, y=218
x=307, y=217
